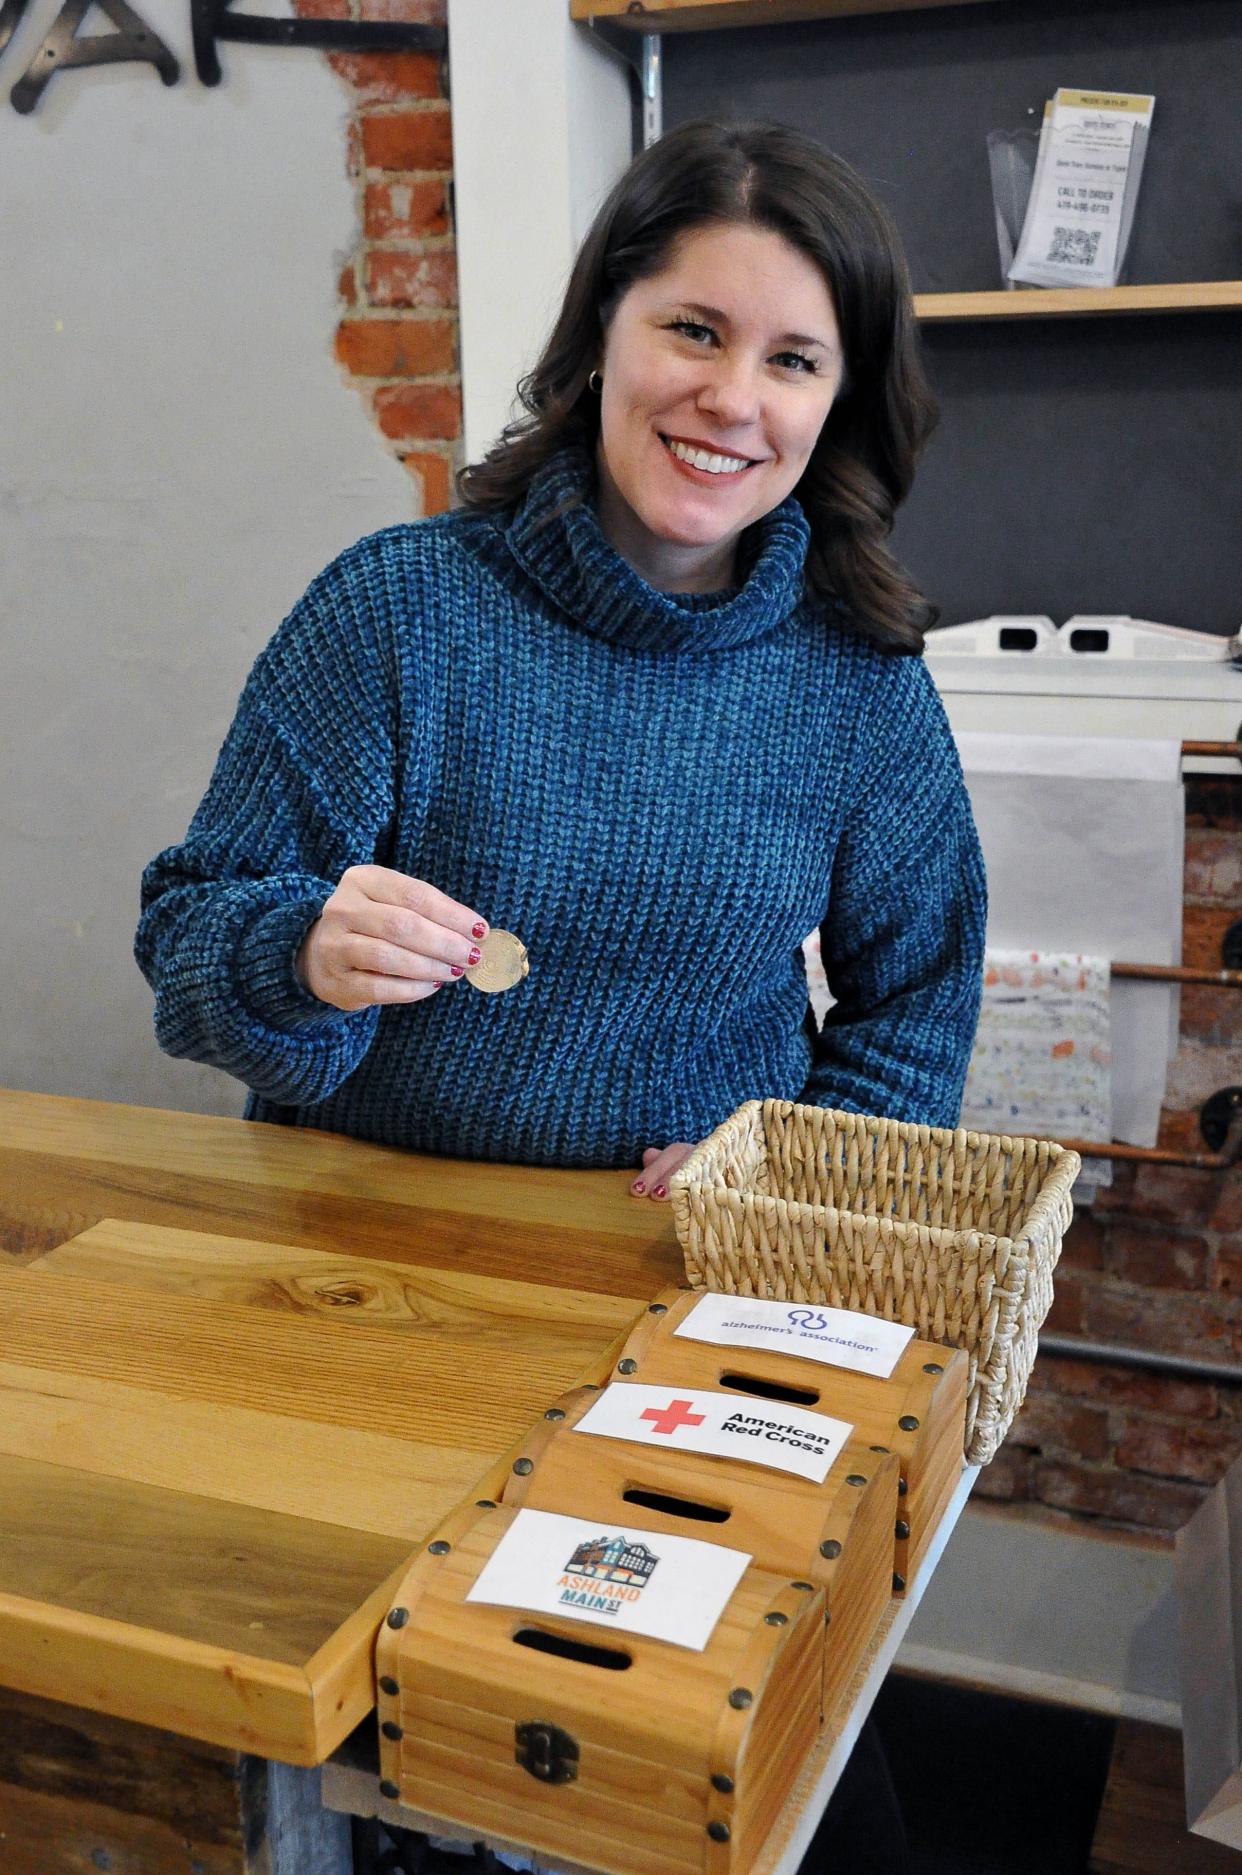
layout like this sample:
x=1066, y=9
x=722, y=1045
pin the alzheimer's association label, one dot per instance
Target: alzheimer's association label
x=614, y=1575
x=729, y=1425
x=837, y=1337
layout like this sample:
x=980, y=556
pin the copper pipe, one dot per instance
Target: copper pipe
x=1179, y=973
x=1225, y=749
x=1222, y=1161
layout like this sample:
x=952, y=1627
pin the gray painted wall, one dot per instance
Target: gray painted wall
x=179, y=454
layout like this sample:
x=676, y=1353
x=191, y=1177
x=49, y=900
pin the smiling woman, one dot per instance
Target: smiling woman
x=650, y=701
x=709, y=412
x=749, y=296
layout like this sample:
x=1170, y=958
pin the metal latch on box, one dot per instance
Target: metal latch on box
x=546, y=1751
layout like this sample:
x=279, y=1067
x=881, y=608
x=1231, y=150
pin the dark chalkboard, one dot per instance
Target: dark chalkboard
x=1081, y=465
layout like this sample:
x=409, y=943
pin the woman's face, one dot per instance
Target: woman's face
x=718, y=374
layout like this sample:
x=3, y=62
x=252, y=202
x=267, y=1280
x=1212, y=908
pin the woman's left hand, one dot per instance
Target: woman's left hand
x=658, y=1167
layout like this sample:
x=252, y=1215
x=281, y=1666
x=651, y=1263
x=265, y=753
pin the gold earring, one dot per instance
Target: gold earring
x=595, y=383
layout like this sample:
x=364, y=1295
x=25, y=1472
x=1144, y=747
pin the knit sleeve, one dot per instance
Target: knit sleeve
x=903, y=938
x=303, y=789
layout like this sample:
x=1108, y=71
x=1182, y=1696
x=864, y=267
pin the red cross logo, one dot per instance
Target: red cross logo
x=669, y=1418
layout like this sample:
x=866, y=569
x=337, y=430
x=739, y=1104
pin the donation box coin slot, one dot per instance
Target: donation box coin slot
x=770, y=1389
x=565, y=1648
x=687, y=1507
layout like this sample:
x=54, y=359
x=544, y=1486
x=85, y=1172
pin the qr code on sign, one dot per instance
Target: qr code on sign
x=1076, y=246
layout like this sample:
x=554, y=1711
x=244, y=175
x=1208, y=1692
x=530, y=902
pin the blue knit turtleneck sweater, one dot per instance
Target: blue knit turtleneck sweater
x=662, y=794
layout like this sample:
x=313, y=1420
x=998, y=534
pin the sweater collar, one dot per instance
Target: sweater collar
x=556, y=537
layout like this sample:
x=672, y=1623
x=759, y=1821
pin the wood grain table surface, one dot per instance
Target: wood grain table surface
x=244, y=1370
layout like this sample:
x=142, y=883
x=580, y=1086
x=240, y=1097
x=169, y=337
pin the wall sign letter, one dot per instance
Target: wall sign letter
x=62, y=49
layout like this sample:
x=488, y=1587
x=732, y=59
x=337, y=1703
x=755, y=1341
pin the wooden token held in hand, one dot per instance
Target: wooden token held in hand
x=502, y=964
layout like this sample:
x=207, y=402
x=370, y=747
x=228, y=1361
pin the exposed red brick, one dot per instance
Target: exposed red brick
x=397, y=278
x=1151, y=1503
x=1179, y=1132
x=1212, y=1016
x=388, y=77
x=1176, y=1194
x=394, y=348
x=408, y=139
x=415, y=12
x=1227, y=1212
x=1118, y=1196
x=1067, y=1313
x=1162, y=1320
x=1083, y=1248
x=1007, y=1478
x=353, y=149
x=347, y=284
x=1214, y=865
x=1214, y=801
x=1203, y=934
x=1125, y=1386
x=1069, y=1426
x=321, y=9
x=419, y=411
x=1196, y=1073
x=405, y=211
x=434, y=475
x=1160, y=1258
x=1201, y=1453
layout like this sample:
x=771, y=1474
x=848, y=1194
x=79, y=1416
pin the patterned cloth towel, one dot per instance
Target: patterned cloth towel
x=1042, y=1057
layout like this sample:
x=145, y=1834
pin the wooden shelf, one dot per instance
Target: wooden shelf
x=673, y=16
x=1080, y=301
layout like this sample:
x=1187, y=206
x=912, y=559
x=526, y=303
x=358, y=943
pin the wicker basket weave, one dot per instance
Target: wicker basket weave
x=955, y=1234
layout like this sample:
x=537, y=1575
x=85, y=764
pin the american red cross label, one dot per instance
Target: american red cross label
x=728, y=1425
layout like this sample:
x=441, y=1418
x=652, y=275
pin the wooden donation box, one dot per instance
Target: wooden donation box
x=624, y=1662
x=607, y=1748
x=917, y=1412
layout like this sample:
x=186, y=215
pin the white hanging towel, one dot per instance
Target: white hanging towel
x=1083, y=838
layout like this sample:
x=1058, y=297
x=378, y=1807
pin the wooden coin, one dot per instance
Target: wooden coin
x=502, y=963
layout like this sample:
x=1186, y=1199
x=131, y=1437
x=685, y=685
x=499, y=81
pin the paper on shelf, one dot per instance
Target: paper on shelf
x=1087, y=173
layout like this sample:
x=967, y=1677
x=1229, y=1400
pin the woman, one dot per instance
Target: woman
x=650, y=699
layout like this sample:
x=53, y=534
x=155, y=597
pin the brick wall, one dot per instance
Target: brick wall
x=398, y=334
x=1155, y=1263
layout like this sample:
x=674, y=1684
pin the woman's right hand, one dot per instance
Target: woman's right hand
x=383, y=937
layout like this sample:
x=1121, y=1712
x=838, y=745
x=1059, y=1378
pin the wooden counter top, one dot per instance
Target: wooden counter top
x=243, y=1371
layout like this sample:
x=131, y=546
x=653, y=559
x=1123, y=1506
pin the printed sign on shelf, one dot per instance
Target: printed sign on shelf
x=837, y=1337
x=636, y=1581
x=731, y=1425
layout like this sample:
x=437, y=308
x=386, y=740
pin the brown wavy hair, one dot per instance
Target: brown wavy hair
x=768, y=176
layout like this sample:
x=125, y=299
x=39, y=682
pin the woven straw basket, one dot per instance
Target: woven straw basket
x=955, y=1234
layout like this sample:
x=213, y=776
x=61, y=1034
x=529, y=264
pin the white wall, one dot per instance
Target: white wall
x=541, y=131
x=179, y=454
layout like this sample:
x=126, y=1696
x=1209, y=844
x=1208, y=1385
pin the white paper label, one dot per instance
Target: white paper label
x=731, y=1425
x=614, y=1575
x=837, y=1337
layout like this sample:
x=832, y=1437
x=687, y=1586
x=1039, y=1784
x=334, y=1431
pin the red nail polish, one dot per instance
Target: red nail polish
x=659, y=1191
x=638, y=1185
x=478, y=930
x=475, y=954
x=457, y=970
